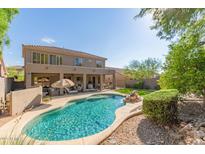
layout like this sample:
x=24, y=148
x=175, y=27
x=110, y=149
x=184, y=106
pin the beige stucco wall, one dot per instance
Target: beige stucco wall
x=66, y=59
x=3, y=71
x=5, y=87
x=2, y=88
x=22, y=99
x=119, y=79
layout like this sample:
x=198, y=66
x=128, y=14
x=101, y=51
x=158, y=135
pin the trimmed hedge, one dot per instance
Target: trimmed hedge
x=161, y=106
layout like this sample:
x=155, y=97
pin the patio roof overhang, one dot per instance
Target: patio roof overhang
x=46, y=68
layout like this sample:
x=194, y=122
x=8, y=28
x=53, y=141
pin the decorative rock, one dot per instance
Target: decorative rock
x=188, y=127
x=112, y=141
x=132, y=98
x=166, y=127
x=178, y=137
x=202, y=129
x=198, y=142
x=189, y=140
x=191, y=133
x=183, y=124
x=181, y=143
x=202, y=124
x=199, y=134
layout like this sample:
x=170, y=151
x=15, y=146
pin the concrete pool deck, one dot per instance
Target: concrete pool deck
x=14, y=128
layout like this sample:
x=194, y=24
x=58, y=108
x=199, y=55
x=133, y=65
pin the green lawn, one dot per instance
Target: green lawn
x=141, y=92
x=12, y=71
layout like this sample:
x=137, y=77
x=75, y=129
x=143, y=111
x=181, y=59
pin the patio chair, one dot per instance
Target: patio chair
x=68, y=91
x=90, y=90
x=90, y=86
x=53, y=92
x=79, y=88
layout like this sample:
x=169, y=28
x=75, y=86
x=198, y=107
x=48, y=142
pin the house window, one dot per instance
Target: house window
x=88, y=60
x=78, y=62
x=36, y=58
x=99, y=63
x=59, y=60
x=40, y=58
x=46, y=59
x=53, y=60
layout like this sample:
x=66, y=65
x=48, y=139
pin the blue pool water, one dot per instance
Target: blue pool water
x=78, y=119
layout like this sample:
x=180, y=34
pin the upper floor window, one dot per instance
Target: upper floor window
x=59, y=60
x=78, y=62
x=40, y=58
x=99, y=63
x=55, y=60
x=87, y=60
x=36, y=58
x=44, y=59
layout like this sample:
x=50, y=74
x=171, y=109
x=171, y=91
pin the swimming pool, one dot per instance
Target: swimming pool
x=79, y=118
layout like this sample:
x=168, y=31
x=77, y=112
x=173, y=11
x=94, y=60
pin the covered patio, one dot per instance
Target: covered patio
x=83, y=82
x=85, y=78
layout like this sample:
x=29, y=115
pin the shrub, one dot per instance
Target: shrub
x=161, y=106
x=139, y=85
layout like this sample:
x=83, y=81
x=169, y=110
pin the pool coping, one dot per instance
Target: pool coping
x=17, y=124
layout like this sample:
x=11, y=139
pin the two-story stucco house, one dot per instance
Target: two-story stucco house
x=52, y=64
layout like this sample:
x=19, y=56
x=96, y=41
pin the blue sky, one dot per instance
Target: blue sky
x=111, y=33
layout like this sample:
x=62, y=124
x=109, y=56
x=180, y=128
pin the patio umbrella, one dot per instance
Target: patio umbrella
x=63, y=83
x=43, y=80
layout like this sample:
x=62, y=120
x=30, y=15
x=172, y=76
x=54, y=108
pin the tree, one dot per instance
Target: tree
x=184, y=67
x=6, y=16
x=143, y=69
x=172, y=22
x=185, y=64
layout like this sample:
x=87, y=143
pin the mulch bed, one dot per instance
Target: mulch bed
x=140, y=130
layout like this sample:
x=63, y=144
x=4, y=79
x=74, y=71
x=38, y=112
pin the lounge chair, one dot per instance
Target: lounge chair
x=54, y=92
x=79, y=88
x=90, y=86
x=90, y=90
x=68, y=91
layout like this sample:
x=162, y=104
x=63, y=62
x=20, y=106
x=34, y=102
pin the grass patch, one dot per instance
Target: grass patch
x=141, y=92
x=13, y=72
x=46, y=99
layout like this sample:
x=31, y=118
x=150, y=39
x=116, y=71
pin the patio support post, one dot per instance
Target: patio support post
x=114, y=80
x=84, y=82
x=61, y=77
x=28, y=80
x=101, y=82
x=96, y=82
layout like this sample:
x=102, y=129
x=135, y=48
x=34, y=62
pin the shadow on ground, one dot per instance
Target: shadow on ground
x=41, y=107
x=190, y=111
x=151, y=133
